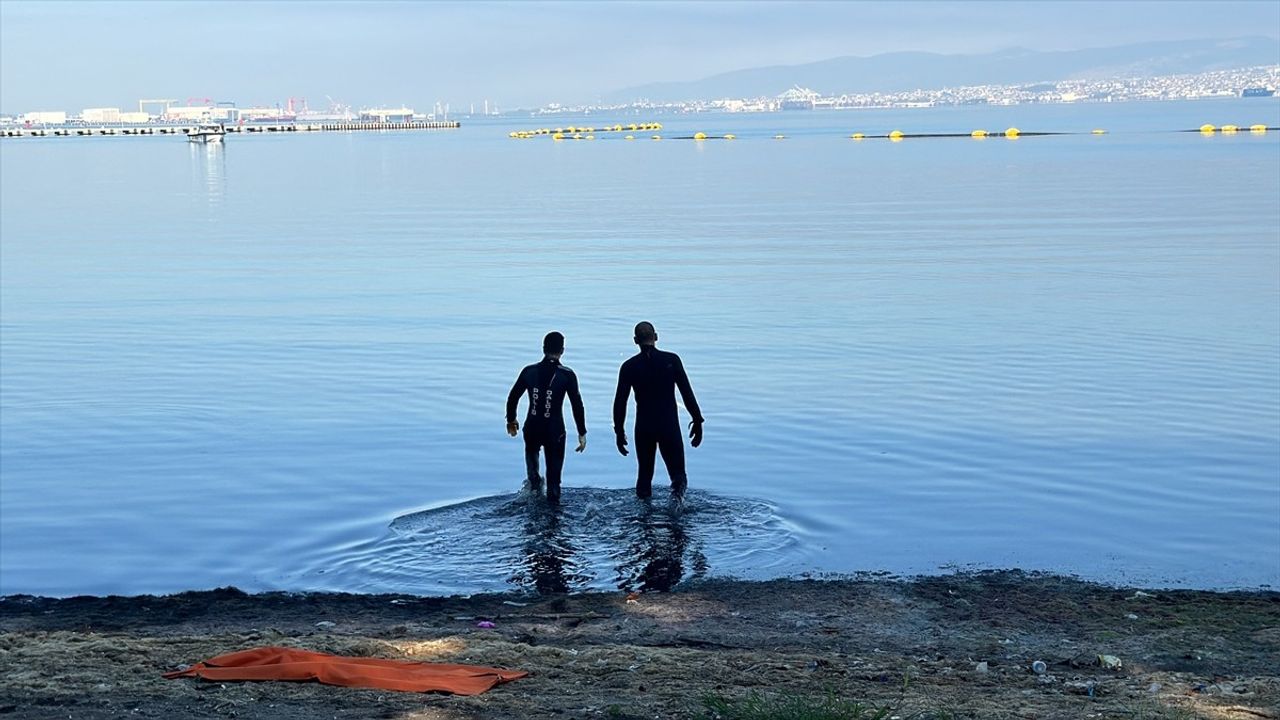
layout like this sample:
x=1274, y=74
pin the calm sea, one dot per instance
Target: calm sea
x=282, y=363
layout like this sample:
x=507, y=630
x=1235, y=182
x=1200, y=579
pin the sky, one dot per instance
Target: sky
x=74, y=55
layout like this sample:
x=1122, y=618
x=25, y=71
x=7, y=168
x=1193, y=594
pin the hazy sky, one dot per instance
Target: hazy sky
x=72, y=55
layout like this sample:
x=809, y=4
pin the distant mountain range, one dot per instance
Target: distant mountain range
x=901, y=71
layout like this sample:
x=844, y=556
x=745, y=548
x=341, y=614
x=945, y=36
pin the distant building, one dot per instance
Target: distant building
x=100, y=115
x=44, y=117
x=252, y=114
x=201, y=113
x=798, y=98
x=400, y=114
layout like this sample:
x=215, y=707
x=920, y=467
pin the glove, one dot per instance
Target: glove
x=622, y=444
x=513, y=427
x=695, y=433
x=582, y=443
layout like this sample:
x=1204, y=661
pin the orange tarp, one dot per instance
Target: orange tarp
x=278, y=663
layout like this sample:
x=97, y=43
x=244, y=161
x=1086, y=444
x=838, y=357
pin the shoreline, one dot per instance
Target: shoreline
x=953, y=646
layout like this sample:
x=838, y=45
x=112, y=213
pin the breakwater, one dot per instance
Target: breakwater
x=291, y=127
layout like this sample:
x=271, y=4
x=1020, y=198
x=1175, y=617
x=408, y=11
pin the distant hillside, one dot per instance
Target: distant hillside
x=896, y=72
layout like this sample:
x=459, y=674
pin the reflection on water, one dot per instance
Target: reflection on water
x=209, y=171
x=657, y=552
x=547, y=563
x=594, y=539
x=647, y=541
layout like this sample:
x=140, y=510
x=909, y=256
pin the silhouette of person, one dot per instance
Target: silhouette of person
x=546, y=383
x=654, y=375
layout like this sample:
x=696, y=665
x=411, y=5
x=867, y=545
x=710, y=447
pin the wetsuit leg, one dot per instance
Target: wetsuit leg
x=646, y=454
x=531, y=447
x=671, y=443
x=555, y=463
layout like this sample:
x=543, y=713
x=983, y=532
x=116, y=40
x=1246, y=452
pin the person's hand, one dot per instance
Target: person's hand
x=695, y=433
x=513, y=427
x=582, y=443
x=622, y=444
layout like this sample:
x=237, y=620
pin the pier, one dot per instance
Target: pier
x=250, y=128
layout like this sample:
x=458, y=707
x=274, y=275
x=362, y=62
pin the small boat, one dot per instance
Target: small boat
x=207, y=134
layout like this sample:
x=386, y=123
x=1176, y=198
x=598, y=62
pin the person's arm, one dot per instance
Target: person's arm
x=690, y=404
x=620, y=398
x=579, y=412
x=513, y=397
x=686, y=392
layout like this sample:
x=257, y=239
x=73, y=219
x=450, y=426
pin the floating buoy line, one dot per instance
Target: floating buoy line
x=573, y=132
x=589, y=133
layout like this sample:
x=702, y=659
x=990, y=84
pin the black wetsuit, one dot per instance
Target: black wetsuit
x=547, y=383
x=654, y=375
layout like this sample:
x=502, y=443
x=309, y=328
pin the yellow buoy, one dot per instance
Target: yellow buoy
x=513, y=133
x=1207, y=129
x=657, y=126
x=591, y=130
x=657, y=137
x=1099, y=131
x=857, y=136
x=577, y=136
x=730, y=136
x=617, y=128
x=978, y=133
x=633, y=127
x=1012, y=132
x=896, y=135
x=591, y=137
x=558, y=136
x=1258, y=128
x=1229, y=128
x=629, y=137
x=699, y=136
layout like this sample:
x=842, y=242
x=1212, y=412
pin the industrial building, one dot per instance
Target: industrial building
x=44, y=117
x=101, y=116
x=201, y=113
x=400, y=114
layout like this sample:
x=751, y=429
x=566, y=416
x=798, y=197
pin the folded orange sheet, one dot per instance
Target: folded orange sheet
x=278, y=663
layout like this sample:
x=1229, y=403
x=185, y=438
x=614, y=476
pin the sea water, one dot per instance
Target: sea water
x=282, y=363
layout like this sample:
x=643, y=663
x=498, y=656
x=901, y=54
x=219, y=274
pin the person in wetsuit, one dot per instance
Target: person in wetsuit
x=654, y=375
x=547, y=383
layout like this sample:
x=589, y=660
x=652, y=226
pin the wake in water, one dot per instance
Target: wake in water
x=594, y=539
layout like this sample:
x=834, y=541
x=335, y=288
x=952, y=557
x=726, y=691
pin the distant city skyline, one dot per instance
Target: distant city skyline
x=111, y=54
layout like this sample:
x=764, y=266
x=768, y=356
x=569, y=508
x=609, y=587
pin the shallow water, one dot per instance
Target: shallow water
x=592, y=538
x=250, y=365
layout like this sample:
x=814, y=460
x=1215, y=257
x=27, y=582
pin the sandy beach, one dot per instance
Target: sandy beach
x=956, y=646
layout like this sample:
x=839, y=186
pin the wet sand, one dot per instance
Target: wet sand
x=916, y=645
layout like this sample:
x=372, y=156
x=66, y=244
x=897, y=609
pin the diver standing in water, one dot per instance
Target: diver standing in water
x=654, y=375
x=547, y=383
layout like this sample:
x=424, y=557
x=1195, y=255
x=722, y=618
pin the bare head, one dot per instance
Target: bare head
x=645, y=334
x=553, y=345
